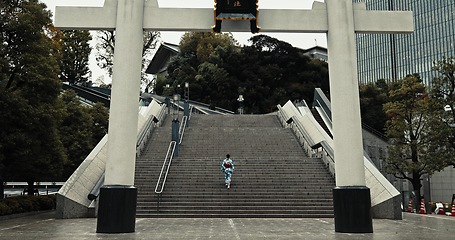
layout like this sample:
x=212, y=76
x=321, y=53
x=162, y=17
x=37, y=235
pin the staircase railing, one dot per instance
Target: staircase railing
x=144, y=135
x=297, y=129
x=381, y=190
x=162, y=182
x=321, y=149
x=375, y=132
x=327, y=156
x=142, y=139
x=281, y=115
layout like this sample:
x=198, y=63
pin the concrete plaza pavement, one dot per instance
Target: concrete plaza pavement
x=45, y=226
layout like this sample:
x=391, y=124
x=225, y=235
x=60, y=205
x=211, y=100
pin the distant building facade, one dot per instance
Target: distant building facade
x=393, y=56
x=159, y=63
x=316, y=52
x=161, y=59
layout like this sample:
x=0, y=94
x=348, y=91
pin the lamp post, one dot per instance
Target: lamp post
x=176, y=124
x=186, y=105
x=167, y=100
x=240, y=100
x=187, y=90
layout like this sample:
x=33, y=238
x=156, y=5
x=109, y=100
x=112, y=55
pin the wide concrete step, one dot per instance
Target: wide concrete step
x=297, y=178
x=245, y=202
x=273, y=177
x=222, y=208
x=238, y=214
x=245, y=195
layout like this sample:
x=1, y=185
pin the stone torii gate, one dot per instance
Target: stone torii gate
x=339, y=19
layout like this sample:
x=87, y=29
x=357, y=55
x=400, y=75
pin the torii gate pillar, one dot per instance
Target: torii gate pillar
x=340, y=19
x=118, y=196
x=351, y=197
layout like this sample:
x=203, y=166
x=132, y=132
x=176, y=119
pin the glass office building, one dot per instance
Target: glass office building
x=393, y=56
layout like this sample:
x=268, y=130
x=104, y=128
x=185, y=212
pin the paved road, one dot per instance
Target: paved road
x=45, y=226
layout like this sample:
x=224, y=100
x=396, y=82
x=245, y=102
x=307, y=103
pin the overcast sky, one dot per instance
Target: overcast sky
x=298, y=40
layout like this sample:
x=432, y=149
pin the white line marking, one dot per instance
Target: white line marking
x=320, y=220
x=21, y=225
x=231, y=222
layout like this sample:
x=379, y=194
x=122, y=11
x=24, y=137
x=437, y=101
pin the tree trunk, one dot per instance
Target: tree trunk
x=30, y=188
x=2, y=188
x=416, y=186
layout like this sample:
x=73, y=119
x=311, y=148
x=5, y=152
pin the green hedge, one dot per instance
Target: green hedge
x=22, y=204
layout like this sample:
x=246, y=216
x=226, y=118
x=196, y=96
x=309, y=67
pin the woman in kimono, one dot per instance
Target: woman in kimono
x=227, y=167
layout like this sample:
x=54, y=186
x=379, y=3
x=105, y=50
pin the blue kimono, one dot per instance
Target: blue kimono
x=227, y=167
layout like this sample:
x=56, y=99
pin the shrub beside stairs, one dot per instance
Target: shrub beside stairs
x=272, y=177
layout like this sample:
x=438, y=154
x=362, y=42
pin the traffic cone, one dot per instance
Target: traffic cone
x=422, y=207
x=410, y=205
x=441, y=210
x=453, y=209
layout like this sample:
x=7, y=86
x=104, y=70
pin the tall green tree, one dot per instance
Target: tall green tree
x=75, y=131
x=214, y=80
x=270, y=64
x=106, y=47
x=414, y=135
x=372, y=98
x=100, y=121
x=443, y=96
x=267, y=72
x=201, y=62
x=75, y=50
x=29, y=88
x=202, y=45
x=80, y=129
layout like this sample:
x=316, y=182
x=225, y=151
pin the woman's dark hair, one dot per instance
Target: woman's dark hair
x=228, y=156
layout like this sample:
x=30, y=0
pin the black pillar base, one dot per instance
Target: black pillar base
x=352, y=208
x=117, y=209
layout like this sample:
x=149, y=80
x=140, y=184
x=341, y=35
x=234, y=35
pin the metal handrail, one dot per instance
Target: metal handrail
x=182, y=128
x=191, y=112
x=201, y=111
x=208, y=106
x=170, y=156
x=96, y=189
x=326, y=118
x=325, y=104
x=325, y=107
x=323, y=110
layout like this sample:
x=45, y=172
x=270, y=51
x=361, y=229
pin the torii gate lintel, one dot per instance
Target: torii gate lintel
x=183, y=19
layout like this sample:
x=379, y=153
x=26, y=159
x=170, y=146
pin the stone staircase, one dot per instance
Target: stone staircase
x=272, y=177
